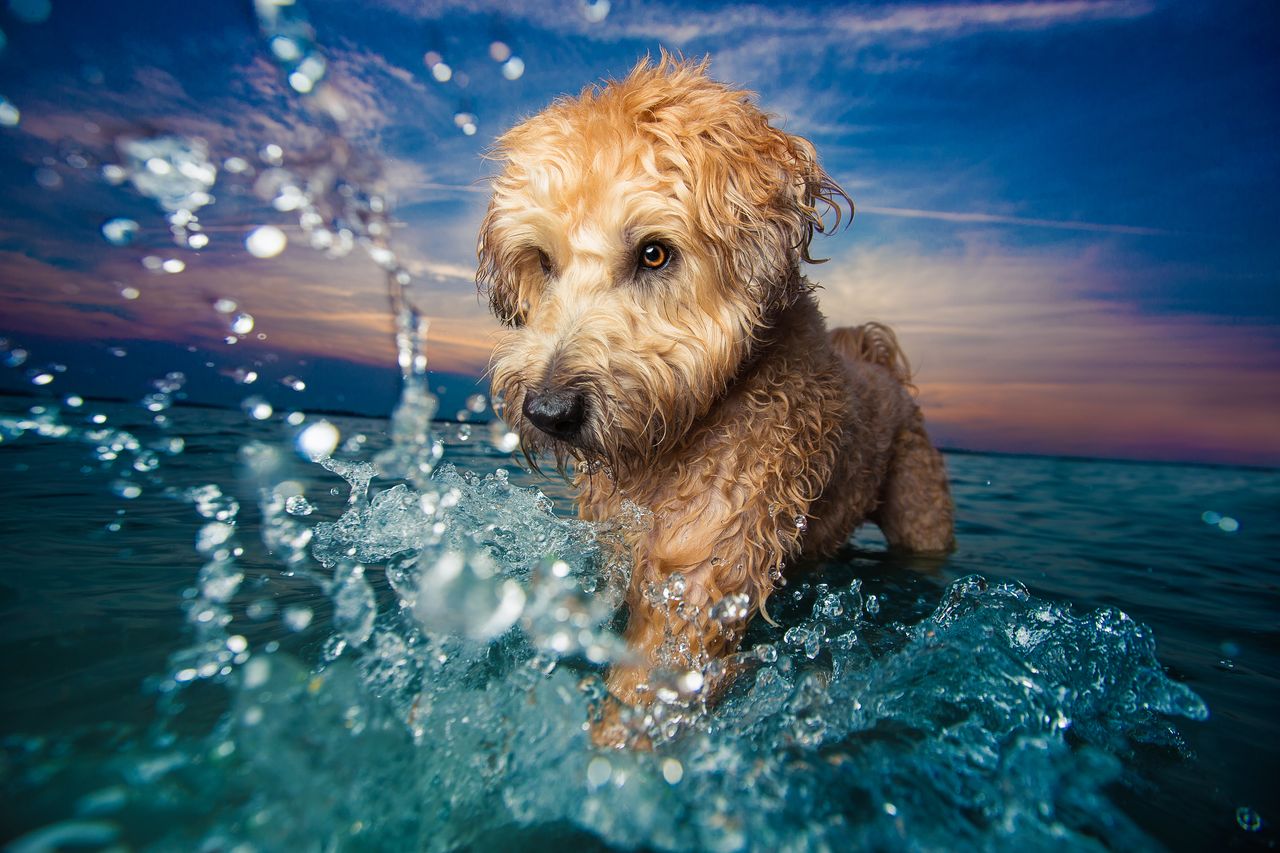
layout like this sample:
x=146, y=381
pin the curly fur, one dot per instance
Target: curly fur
x=714, y=395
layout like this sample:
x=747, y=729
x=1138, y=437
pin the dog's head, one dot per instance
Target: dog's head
x=640, y=242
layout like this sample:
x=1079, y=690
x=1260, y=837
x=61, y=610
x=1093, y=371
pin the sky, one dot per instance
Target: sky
x=1066, y=208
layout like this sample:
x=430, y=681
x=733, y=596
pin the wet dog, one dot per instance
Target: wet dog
x=644, y=245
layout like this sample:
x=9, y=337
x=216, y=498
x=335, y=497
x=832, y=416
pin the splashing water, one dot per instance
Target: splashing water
x=434, y=689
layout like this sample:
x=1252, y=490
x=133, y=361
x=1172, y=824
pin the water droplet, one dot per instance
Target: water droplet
x=48, y=178
x=441, y=72
x=225, y=306
x=802, y=523
x=1248, y=819
x=513, y=68
x=298, y=505
x=130, y=293
x=257, y=408
x=293, y=383
x=119, y=231
x=266, y=241
x=731, y=608
x=595, y=11
x=126, y=489
x=672, y=771
x=174, y=171
x=318, y=440
x=9, y=114
x=42, y=379
x=1228, y=524
x=499, y=51
x=242, y=324
x=297, y=617
x=599, y=771
x=173, y=266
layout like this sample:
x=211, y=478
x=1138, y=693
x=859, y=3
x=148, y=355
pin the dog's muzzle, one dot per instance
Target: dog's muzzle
x=558, y=412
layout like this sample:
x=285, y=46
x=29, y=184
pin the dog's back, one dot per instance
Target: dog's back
x=874, y=343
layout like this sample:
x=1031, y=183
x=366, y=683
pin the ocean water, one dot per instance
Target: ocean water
x=210, y=640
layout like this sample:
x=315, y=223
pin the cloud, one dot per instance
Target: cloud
x=679, y=25
x=1014, y=350
x=997, y=219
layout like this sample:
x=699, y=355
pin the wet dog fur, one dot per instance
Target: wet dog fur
x=644, y=245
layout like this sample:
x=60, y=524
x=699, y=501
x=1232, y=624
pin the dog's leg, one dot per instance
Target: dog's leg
x=916, y=511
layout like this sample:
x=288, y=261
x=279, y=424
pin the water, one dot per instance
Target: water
x=440, y=705
x=266, y=629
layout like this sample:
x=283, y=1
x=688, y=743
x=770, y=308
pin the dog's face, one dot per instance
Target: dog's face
x=640, y=240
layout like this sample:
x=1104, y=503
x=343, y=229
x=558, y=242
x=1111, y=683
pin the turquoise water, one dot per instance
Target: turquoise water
x=187, y=668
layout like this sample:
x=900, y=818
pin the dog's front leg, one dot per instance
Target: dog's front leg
x=676, y=643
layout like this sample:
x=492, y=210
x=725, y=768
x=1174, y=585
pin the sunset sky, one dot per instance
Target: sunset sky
x=1068, y=210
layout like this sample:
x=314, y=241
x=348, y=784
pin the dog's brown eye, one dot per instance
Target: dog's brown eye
x=654, y=256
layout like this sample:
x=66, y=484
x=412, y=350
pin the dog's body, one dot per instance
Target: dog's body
x=645, y=242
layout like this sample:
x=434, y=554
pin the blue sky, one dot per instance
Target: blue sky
x=1068, y=209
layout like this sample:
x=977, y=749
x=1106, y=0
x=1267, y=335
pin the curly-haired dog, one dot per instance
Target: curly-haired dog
x=644, y=244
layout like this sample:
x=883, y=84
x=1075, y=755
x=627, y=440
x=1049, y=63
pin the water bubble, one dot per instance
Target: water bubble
x=9, y=114
x=225, y=306
x=42, y=379
x=272, y=154
x=1228, y=524
x=75, y=401
x=499, y=51
x=242, y=324
x=802, y=523
x=198, y=241
x=236, y=165
x=130, y=293
x=672, y=771
x=173, y=266
x=293, y=383
x=476, y=403
x=318, y=440
x=466, y=122
x=266, y=241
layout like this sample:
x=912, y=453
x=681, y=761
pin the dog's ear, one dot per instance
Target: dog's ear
x=763, y=196
x=497, y=275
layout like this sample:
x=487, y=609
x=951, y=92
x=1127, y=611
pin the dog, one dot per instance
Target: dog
x=643, y=247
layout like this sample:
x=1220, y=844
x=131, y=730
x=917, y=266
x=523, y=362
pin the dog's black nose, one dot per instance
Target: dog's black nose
x=559, y=413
